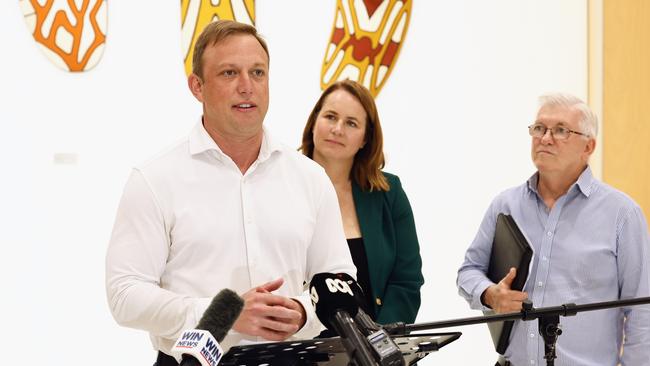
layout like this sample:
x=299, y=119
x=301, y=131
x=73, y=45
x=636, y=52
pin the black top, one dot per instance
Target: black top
x=358, y=252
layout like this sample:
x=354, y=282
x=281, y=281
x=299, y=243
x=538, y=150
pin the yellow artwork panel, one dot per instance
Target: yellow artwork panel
x=196, y=14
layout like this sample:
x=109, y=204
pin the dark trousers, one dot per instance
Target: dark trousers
x=165, y=360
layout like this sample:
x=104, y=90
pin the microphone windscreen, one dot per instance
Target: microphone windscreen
x=220, y=316
x=331, y=293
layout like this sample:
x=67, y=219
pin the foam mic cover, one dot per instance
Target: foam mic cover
x=200, y=346
x=331, y=293
x=221, y=314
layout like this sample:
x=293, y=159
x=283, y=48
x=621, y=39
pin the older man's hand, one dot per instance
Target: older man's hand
x=501, y=298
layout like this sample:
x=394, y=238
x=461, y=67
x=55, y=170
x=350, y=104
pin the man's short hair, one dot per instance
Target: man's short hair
x=589, y=120
x=216, y=32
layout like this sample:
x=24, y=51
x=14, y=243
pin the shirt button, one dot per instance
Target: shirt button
x=544, y=258
x=532, y=335
x=532, y=362
x=549, y=234
x=540, y=284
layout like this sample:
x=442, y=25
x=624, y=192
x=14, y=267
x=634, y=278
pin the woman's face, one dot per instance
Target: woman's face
x=340, y=128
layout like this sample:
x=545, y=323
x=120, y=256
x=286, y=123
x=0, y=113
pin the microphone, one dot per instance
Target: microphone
x=385, y=350
x=200, y=346
x=335, y=306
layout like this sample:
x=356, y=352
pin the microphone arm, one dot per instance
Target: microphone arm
x=524, y=314
x=548, y=317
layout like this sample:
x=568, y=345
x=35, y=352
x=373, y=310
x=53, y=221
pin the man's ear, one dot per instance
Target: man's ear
x=591, y=146
x=589, y=149
x=196, y=86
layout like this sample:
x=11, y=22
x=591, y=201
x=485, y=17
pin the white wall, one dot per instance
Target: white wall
x=454, y=111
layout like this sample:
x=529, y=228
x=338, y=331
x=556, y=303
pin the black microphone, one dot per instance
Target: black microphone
x=334, y=303
x=200, y=346
x=386, y=352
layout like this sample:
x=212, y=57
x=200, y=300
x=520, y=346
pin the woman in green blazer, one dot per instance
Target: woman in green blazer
x=344, y=136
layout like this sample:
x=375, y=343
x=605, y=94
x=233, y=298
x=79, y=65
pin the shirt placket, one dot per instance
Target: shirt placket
x=251, y=233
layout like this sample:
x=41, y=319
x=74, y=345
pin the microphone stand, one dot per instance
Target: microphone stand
x=548, y=320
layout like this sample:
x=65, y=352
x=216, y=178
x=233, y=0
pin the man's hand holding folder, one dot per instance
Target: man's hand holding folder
x=501, y=298
x=508, y=269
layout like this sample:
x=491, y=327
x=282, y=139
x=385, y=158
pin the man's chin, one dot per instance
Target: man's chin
x=252, y=125
x=543, y=165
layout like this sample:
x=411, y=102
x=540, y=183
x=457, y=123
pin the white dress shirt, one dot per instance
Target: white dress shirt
x=190, y=224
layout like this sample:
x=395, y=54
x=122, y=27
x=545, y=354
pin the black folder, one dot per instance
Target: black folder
x=509, y=249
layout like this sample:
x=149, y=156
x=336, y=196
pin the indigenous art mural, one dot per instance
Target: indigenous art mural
x=364, y=45
x=196, y=14
x=70, y=33
x=365, y=41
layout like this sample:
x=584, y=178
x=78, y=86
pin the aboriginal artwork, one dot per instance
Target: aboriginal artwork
x=365, y=41
x=364, y=44
x=196, y=14
x=71, y=33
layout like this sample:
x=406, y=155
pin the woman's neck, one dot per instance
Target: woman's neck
x=337, y=170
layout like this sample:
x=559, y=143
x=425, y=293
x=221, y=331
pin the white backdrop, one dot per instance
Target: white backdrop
x=454, y=111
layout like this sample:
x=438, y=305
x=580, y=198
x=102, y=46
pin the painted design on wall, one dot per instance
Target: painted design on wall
x=71, y=33
x=365, y=41
x=195, y=14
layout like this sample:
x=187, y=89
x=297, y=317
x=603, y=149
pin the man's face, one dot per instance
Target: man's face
x=569, y=156
x=234, y=89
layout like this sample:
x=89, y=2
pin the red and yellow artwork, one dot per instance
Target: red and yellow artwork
x=365, y=41
x=71, y=33
x=196, y=14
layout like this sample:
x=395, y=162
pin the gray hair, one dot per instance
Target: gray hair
x=589, y=121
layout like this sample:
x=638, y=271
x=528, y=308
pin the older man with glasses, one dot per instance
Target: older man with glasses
x=590, y=242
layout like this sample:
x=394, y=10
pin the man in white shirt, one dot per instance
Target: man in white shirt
x=228, y=207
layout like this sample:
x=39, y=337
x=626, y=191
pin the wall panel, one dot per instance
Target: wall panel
x=626, y=98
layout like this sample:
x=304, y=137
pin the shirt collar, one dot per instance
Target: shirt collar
x=585, y=182
x=201, y=142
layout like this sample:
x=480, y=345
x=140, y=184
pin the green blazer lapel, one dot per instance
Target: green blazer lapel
x=369, y=207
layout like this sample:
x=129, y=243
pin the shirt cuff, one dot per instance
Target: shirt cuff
x=312, y=326
x=476, y=295
x=200, y=305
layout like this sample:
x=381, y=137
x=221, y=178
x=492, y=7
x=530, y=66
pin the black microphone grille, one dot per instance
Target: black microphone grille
x=220, y=316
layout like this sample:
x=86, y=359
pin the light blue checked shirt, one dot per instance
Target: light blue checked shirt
x=592, y=246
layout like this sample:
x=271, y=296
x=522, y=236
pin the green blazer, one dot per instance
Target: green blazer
x=391, y=244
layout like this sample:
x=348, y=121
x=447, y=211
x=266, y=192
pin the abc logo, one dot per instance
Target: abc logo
x=336, y=285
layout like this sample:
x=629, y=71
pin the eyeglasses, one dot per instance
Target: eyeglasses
x=558, y=132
